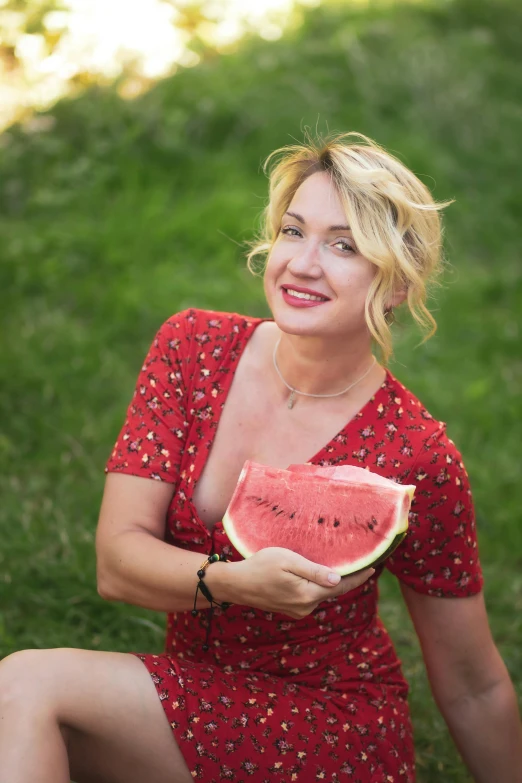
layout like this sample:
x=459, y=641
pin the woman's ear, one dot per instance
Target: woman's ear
x=397, y=298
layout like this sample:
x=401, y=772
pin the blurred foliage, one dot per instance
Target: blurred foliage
x=124, y=212
x=53, y=48
x=24, y=17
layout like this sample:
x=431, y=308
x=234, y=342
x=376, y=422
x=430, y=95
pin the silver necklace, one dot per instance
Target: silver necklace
x=291, y=399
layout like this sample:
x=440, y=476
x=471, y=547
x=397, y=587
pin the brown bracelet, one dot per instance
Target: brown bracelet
x=208, y=595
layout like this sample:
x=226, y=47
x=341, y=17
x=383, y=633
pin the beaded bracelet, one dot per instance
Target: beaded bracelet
x=208, y=595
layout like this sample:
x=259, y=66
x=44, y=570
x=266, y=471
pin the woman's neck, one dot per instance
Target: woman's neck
x=314, y=365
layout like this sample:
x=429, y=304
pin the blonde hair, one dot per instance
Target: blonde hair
x=394, y=220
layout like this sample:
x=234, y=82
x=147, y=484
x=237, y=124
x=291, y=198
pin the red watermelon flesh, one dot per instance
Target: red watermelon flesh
x=349, y=473
x=343, y=524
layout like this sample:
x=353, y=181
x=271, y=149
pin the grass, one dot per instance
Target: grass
x=124, y=213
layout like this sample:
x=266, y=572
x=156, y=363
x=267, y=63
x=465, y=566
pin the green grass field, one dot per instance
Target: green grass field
x=126, y=212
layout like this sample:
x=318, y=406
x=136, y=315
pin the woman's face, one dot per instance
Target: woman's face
x=315, y=254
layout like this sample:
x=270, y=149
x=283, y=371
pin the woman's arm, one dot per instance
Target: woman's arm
x=134, y=564
x=470, y=683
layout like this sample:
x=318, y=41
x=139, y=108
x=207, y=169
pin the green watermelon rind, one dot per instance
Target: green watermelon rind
x=230, y=530
x=399, y=538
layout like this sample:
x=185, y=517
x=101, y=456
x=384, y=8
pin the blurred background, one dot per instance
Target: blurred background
x=132, y=140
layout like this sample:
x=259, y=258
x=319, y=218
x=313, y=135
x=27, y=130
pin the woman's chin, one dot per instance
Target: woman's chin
x=302, y=318
x=300, y=322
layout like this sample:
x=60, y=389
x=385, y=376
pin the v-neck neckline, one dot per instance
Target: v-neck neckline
x=199, y=464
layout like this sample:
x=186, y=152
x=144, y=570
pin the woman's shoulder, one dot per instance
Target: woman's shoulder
x=406, y=405
x=423, y=436
x=206, y=339
x=201, y=324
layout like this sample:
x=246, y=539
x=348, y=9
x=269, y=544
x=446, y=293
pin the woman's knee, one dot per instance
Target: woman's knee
x=106, y=707
x=29, y=679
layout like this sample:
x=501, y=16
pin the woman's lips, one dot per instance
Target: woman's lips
x=295, y=301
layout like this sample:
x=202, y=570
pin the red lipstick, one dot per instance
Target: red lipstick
x=296, y=301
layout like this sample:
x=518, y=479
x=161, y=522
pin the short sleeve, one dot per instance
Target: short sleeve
x=439, y=555
x=152, y=438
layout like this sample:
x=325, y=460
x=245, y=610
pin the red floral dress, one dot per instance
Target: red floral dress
x=276, y=699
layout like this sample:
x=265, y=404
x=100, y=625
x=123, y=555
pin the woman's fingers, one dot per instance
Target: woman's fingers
x=279, y=580
x=313, y=572
x=346, y=583
x=323, y=576
x=352, y=581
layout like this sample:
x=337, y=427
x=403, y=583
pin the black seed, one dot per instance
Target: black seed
x=292, y=515
x=336, y=523
x=274, y=508
x=320, y=520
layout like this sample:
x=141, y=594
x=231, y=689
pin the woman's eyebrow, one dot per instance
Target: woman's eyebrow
x=303, y=221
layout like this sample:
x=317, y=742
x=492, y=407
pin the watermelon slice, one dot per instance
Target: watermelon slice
x=345, y=518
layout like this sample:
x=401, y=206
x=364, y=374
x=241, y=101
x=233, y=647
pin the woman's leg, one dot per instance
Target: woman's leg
x=94, y=717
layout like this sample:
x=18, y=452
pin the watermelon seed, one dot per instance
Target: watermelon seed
x=320, y=520
x=336, y=523
x=274, y=508
x=292, y=515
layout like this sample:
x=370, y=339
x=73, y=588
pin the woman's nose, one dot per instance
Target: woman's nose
x=306, y=260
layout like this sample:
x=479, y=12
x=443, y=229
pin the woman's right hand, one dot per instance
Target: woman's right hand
x=279, y=580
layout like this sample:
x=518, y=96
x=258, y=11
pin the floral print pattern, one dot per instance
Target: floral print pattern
x=317, y=699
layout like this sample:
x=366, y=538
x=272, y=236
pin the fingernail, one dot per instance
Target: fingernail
x=334, y=579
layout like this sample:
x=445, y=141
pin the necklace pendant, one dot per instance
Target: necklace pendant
x=291, y=400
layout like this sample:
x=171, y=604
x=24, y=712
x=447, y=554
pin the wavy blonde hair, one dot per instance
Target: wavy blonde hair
x=393, y=217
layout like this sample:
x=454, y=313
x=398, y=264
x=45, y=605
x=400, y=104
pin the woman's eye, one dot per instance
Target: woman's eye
x=345, y=245
x=291, y=231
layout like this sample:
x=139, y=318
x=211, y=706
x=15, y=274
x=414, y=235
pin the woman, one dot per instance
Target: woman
x=297, y=679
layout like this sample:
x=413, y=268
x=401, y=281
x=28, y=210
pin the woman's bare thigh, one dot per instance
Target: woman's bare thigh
x=110, y=714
